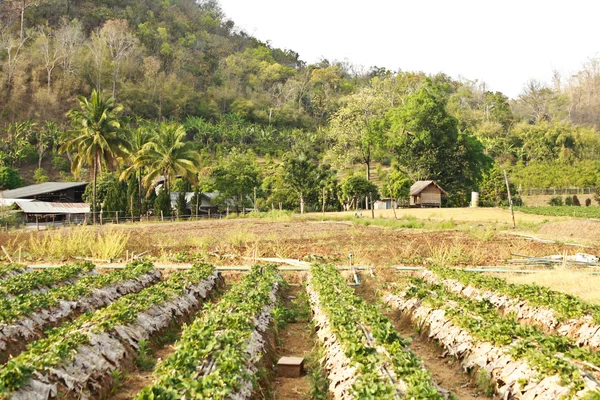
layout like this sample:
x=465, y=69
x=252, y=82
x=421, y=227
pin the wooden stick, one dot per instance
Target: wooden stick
x=7, y=255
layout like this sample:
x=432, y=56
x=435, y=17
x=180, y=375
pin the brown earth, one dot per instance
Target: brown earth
x=295, y=340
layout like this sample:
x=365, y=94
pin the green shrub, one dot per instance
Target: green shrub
x=61, y=164
x=10, y=178
x=556, y=201
x=568, y=201
x=40, y=176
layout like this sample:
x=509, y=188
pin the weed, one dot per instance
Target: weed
x=144, y=358
x=239, y=238
x=484, y=381
x=118, y=377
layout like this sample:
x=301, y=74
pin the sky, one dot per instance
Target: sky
x=502, y=43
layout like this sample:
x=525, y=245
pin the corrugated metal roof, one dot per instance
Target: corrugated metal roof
x=43, y=207
x=10, y=202
x=419, y=186
x=41, y=188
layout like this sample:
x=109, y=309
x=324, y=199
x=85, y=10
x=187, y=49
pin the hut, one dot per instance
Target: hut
x=426, y=194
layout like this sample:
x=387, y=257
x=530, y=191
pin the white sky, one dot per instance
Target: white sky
x=503, y=43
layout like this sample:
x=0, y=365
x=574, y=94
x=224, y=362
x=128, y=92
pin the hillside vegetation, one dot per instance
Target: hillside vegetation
x=176, y=73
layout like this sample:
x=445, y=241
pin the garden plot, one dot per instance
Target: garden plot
x=520, y=361
x=553, y=311
x=41, y=281
x=24, y=317
x=12, y=269
x=79, y=359
x=220, y=353
x=365, y=357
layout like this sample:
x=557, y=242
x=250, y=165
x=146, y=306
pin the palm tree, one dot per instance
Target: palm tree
x=96, y=138
x=139, y=138
x=168, y=155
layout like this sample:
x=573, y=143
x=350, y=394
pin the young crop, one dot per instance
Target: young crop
x=548, y=354
x=564, y=305
x=62, y=343
x=12, y=269
x=29, y=281
x=217, y=355
x=385, y=368
x=13, y=308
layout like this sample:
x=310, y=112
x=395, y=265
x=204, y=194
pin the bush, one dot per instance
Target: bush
x=568, y=201
x=162, y=203
x=556, y=201
x=40, y=176
x=61, y=164
x=588, y=202
x=10, y=178
x=576, y=201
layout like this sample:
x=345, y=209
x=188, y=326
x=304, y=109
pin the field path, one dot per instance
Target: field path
x=294, y=340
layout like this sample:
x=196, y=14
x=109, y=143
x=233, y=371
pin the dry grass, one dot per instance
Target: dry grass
x=576, y=283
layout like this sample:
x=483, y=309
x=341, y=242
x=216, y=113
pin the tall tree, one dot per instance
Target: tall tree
x=169, y=155
x=138, y=138
x=120, y=41
x=96, y=138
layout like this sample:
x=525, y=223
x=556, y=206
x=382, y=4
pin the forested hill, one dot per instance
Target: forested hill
x=185, y=62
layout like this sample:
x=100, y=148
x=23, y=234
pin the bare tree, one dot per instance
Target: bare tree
x=536, y=97
x=98, y=50
x=69, y=38
x=121, y=42
x=51, y=54
x=13, y=49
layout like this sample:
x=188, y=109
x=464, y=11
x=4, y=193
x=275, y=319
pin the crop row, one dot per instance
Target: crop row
x=219, y=353
x=34, y=281
x=24, y=317
x=365, y=356
x=12, y=269
x=554, y=311
x=522, y=361
x=78, y=359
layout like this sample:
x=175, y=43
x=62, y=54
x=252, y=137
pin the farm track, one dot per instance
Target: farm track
x=295, y=341
x=446, y=373
x=526, y=367
x=16, y=334
x=585, y=330
x=105, y=342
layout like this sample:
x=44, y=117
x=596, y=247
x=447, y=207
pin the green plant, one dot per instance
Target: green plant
x=556, y=201
x=40, y=176
x=484, y=381
x=10, y=178
x=144, y=359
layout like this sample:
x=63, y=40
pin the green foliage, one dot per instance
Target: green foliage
x=236, y=177
x=492, y=190
x=556, y=201
x=60, y=163
x=554, y=211
x=335, y=298
x=220, y=337
x=40, y=176
x=10, y=178
x=162, y=203
x=116, y=198
x=356, y=188
x=181, y=205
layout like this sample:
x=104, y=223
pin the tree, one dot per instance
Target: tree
x=96, y=138
x=236, y=177
x=169, y=155
x=10, y=178
x=181, y=204
x=138, y=138
x=40, y=176
x=120, y=41
x=44, y=138
x=116, y=198
x=13, y=49
x=302, y=177
x=353, y=128
x=51, y=53
x=69, y=37
x=396, y=185
x=355, y=189
x=162, y=203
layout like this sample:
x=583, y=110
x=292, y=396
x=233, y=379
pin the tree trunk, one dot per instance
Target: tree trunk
x=22, y=22
x=95, y=169
x=368, y=164
x=140, y=192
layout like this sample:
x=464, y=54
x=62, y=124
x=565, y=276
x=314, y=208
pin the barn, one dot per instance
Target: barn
x=426, y=194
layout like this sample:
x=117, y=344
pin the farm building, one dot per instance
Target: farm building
x=426, y=194
x=50, y=202
x=55, y=192
x=384, y=204
x=207, y=202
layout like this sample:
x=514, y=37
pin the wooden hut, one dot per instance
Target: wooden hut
x=426, y=194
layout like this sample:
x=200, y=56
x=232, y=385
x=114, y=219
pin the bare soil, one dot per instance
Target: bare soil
x=294, y=340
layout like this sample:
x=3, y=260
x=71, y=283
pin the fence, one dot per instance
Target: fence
x=556, y=191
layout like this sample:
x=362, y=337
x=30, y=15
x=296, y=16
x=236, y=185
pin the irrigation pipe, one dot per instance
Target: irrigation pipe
x=498, y=271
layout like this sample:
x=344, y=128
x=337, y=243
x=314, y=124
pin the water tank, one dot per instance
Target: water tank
x=474, y=199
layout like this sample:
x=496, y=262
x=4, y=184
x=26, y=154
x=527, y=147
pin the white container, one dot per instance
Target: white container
x=474, y=199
